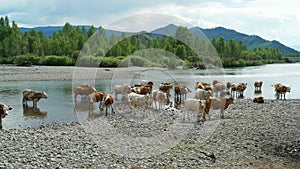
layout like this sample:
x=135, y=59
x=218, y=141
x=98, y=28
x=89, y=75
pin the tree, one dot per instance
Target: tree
x=184, y=35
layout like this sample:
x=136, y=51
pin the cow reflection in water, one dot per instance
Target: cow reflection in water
x=92, y=110
x=34, y=112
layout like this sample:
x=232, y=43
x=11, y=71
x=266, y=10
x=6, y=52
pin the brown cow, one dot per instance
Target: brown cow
x=281, y=90
x=218, y=103
x=257, y=85
x=96, y=97
x=258, y=100
x=181, y=90
x=83, y=90
x=108, y=103
x=238, y=89
x=3, y=112
x=143, y=89
x=201, y=85
x=166, y=87
x=34, y=96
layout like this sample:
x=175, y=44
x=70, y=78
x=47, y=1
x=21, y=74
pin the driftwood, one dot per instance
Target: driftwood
x=25, y=63
x=211, y=156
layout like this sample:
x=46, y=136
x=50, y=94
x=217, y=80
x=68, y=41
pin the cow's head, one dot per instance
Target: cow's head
x=4, y=110
x=44, y=95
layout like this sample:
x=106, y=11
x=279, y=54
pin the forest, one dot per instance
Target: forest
x=92, y=47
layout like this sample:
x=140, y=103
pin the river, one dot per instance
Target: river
x=59, y=106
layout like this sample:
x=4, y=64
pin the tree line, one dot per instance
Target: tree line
x=94, y=46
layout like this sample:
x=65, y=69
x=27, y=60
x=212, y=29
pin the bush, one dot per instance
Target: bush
x=110, y=62
x=57, y=61
x=137, y=61
x=35, y=60
x=88, y=61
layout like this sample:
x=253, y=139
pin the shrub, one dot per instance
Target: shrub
x=110, y=62
x=137, y=61
x=89, y=61
x=35, y=60
x=56, y=61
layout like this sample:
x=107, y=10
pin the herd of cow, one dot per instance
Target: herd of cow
x=219, y=95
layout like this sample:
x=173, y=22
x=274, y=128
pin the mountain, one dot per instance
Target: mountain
x=49, y=30
x=251, y=41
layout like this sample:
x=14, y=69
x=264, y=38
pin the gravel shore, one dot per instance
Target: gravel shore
x=250, y=136
x=38, y=73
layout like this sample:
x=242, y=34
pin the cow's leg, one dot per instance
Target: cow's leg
x=112, y=109
x=34, y=104
x=75, y=98
x=0, y=123
x=222, y=113
x=106, y=111
x=25, y=103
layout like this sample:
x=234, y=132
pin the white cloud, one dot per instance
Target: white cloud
x=274, y=19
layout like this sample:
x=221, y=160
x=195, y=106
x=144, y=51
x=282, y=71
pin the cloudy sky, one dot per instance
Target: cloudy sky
x=270, y=19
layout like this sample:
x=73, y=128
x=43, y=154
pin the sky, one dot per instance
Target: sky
x=270, y=19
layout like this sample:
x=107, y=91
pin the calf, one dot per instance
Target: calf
x=218, y=103
x=34, y=96
x=194, y=105
x=96, y=97
x=3, y=112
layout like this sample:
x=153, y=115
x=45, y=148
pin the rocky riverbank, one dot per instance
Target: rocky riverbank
x=38, y=73
x=251, y=136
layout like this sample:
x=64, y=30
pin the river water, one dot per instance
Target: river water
x=59, y=106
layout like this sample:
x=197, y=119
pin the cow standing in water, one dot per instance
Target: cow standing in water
x=34, y=96
x=83, y=90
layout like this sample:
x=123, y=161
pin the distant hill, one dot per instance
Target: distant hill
x=251, y=41
x=49, y=30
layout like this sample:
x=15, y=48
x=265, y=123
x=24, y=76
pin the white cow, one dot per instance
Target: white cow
x=194, y=105
x=160, y=97
x=137, y=100
x=34, y=96
x=123, y=89
x=202, y=94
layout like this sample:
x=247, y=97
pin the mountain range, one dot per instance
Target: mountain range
x=251, y=41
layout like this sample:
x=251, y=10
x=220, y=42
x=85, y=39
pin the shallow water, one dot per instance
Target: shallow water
x=59, y=106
